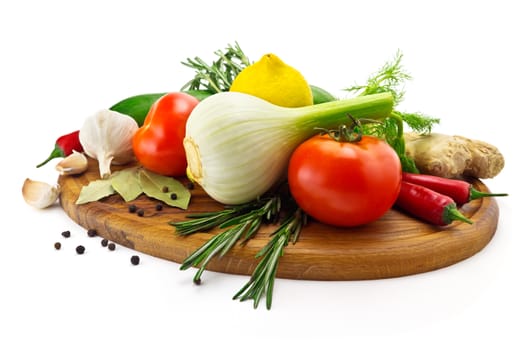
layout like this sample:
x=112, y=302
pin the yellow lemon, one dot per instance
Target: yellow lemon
x=274, y=81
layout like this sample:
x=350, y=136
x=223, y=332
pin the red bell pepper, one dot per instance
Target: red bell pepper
x=157, y=144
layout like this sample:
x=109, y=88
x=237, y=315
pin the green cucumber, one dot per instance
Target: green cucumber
x=138, y=106
x=321, y=95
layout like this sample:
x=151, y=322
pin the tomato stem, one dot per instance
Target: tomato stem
x=344, y=133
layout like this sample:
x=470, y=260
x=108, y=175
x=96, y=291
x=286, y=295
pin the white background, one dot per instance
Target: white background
x=61, y=61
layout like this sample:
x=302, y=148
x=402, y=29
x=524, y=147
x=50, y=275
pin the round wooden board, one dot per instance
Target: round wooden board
x=395, y=245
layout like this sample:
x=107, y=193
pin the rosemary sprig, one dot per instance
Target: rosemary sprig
x=219, y=75
x=263, y=277
x=240, y=222
x=204, y=221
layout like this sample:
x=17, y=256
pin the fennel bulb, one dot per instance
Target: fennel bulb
x=238, y=145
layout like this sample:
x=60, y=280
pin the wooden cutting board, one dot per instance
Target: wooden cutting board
x=395, y=245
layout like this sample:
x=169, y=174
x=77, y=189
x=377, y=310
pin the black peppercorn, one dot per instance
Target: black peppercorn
x=165, y=189
x=140, y=212
x=80, y=249
x=111, y=246
x=92, y=232
x=66, y=234
x=57, y=245
x=104, y=242
x=135, y=260
x=132, y=208
x=190, y=186
x=173, y=196
x=158, y=207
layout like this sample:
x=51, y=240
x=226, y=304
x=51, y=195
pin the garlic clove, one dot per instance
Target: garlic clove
x=39, y=194
x=75, y=163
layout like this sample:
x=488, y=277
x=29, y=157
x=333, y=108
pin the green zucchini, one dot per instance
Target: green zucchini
x=138, y=106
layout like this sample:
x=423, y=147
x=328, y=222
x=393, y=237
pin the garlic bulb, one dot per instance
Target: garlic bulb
x=39, y=194
x=238, y=145
x=75, y=163
x=107, y=136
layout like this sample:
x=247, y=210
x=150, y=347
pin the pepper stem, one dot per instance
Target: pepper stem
x=56, y=153
x=475, y=194
x=452, y=213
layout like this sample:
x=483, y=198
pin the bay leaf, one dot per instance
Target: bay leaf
x=155, y=185
x=95, y=190
x=126, y=183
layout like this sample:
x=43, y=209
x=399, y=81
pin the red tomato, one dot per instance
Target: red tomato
x=345, y=183
x=158, y=143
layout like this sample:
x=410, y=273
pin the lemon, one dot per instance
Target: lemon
x=274, y=81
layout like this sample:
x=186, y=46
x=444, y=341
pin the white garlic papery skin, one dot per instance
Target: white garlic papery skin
x=75, y=163
x=107, y=137
x=39, y=194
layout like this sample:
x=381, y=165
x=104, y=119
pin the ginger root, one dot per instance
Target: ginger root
x=453, y=156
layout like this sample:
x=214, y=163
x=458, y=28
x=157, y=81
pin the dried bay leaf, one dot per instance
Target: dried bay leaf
x=154, y=184
x=126, y=183
x=95, y=190
x=132, y=182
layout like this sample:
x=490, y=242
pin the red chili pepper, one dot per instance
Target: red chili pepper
x=428, y=205
x=460, y=191
x=64, y=146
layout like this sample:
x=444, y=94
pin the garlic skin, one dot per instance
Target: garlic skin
x=107, y=137
x=39, y=194
x=75, y=163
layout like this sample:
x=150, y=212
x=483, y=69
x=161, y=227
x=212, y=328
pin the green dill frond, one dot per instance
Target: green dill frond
x=388, y=78
x=419, y=122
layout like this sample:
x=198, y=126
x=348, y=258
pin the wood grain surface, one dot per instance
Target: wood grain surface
x=395, y=245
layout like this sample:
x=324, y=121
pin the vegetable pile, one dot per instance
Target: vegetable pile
x=258, y=138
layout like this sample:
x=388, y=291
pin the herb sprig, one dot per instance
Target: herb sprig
x=240, y=223
x=219, y=75
x=244, y=220
x=387, y=79
x=263, y=277
x=390, y=78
